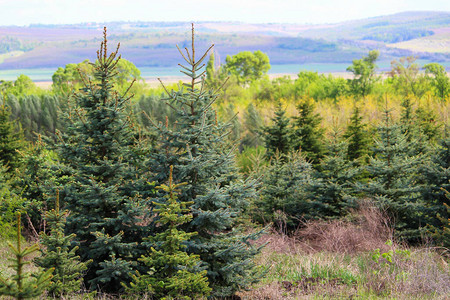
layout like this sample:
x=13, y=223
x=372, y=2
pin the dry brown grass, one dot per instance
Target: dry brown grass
x=369, y=230
x=334, y=260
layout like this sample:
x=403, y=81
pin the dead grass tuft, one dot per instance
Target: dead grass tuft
x=368, y=229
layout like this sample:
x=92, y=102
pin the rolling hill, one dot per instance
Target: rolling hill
x=152, y=44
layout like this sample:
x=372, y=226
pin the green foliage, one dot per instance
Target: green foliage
x=253, y=122
x=22, y=86
x=393, y=186
x=201, y=154
x=11, y=141
x=389, y=261
x=24, y=285
x=59, y=255
x=251, y=159
x=247, y=66
x=38, y=114
x=441, y=233
x=98, y=153
x=277, y=136
x=173, y=272
x=10, y=203
x=358, y=137
x=329, y=193
x=364, y=74
x=439, y=80
x=435, y=175
x=406, y=77
x=283, y=198
x=68, y=79
x=307, y=133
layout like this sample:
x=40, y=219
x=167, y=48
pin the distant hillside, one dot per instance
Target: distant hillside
x=152, y=44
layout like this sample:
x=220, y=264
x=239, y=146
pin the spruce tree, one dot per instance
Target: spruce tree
x=283, y=199
x=435, y=176
x=202, y=156
x=441, y=232
x=24, y=285
x=358, y=137
x=58, y=254
x=394, y=184
x=173, y=273
x=98, y=151
x=307, y=135
x=11, y=140
x=253, y=122
x=329, y=193
x=277, y=136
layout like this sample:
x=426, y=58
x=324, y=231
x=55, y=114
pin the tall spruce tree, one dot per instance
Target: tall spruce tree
x=97, y=150
x=393, y=186
x=277, y=136
x=307, y=134
x=201, y=155
x=359, y=141
x=24, y=285
x=59, y=255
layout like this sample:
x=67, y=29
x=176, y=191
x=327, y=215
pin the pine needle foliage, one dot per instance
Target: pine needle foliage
x=24, y=285
x=307, y=133
x=283, y=199
x=358, y=136
x=173, y=272
x=393, y=171
x=277, y=136
x=98, y=151
x=58, y=254
x=11, y=140
x=329, y=192
x=202, y=156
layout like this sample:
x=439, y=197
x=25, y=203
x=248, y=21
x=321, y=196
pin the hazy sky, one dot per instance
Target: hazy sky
x=25, y=12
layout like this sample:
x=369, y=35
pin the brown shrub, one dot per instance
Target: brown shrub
x=367, y=229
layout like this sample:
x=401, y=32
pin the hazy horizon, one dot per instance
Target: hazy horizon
x=28, y=12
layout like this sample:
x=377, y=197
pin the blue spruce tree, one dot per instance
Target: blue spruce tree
x=202, y=156
x=98, y=152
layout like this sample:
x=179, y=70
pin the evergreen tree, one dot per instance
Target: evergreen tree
x=24, y=285
x=307, y=135
x=283, y=198
x=276, y=137
x=442, y=233
x=172, y=269
x=329, y=193
x=358, y=136
x=11, y=140
x=427, y=123
x=253, y=122
x=98, y=152
x=36, y=181
x=393, y=185
x=435, y=175
x=201, y=155
x=58, y=254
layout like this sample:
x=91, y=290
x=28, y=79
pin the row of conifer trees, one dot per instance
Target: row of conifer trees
x=402, y=166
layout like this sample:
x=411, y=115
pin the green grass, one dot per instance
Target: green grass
x=296, y=273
